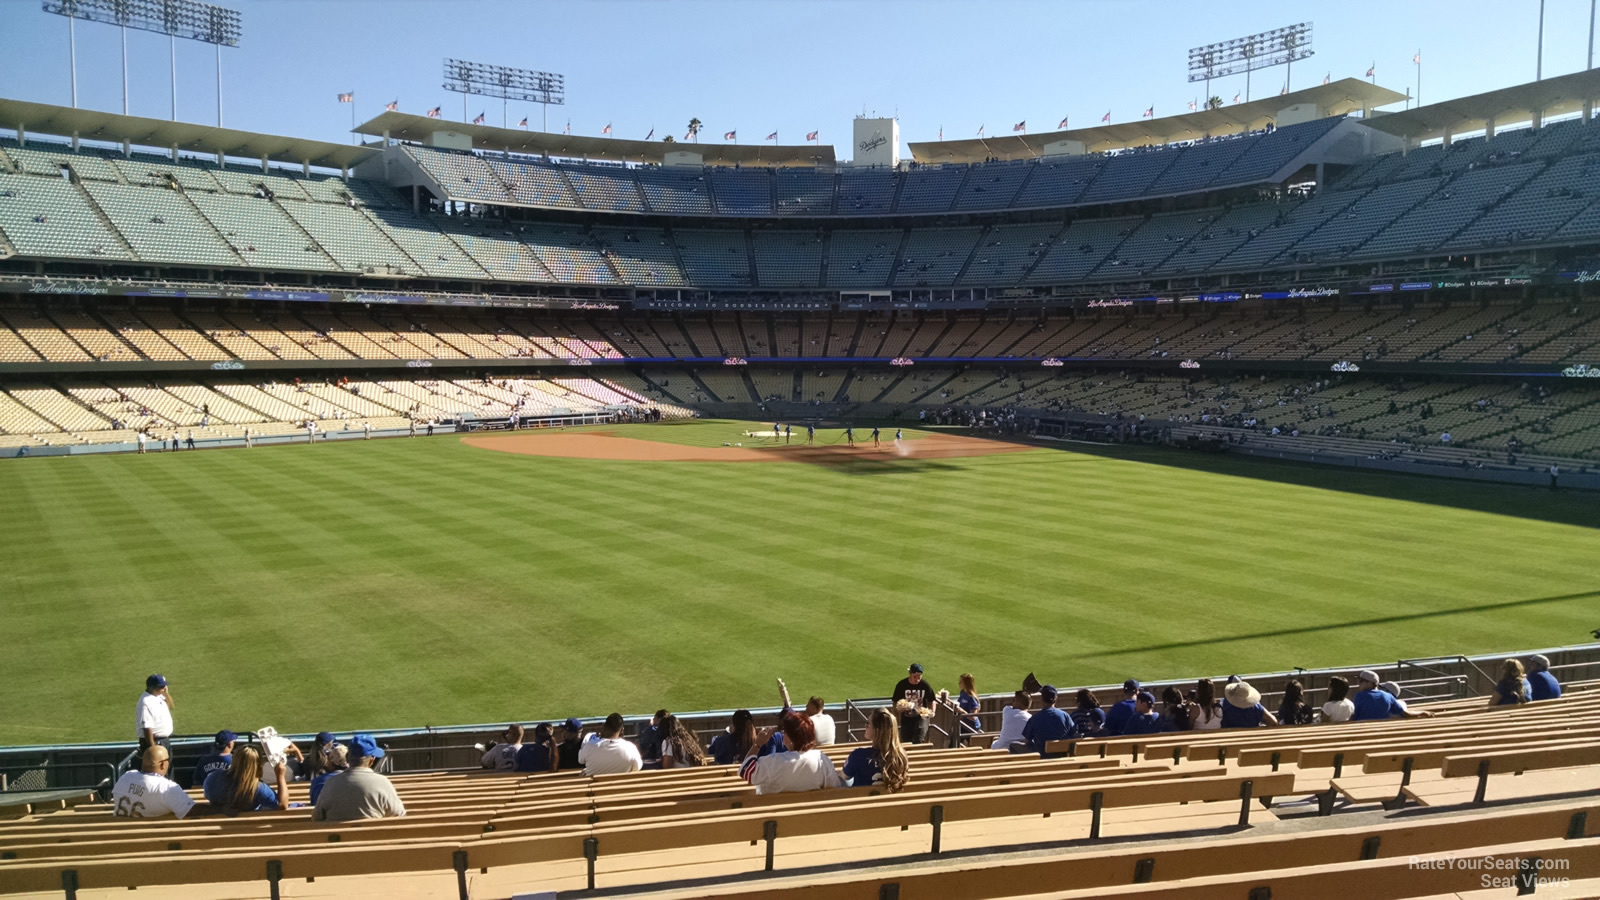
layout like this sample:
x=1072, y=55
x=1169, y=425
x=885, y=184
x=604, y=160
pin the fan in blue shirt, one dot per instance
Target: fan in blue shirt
x=1118, y=715
x=1543, y=685
x=220, y=757
x=1048, y=724
x=1145, y=719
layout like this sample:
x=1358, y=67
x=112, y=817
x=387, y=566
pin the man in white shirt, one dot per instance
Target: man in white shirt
x=820, y=720
x=503, y=756
x=149, y=793
x=1012, y=720
x=153, y=717
x=608, y=753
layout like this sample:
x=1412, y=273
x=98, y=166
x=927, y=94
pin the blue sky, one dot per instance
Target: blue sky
x=762, y=65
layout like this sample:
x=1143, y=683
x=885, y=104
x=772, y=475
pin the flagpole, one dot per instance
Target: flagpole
x=1538, y=68
x=1419, y=77
x=352, y=117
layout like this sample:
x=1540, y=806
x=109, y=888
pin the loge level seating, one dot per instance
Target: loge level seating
x=1509, y=783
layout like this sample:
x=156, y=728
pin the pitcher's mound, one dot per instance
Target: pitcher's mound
x=607, y=446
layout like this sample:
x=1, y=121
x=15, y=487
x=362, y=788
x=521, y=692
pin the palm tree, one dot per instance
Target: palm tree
x=694, y=130
x=669, y=139
x=1214, y=103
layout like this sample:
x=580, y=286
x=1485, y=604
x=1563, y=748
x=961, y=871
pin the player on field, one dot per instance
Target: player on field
x=850, y=434
x=788, y=433
x=811, y=433
x=874, y=435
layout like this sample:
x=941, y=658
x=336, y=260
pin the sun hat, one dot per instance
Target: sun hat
x=1369, y=676
x=1538, y=662
x=1390, y=688
x=1241, y=695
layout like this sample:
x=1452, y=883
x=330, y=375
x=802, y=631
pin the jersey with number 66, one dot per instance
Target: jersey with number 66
x=141, y=795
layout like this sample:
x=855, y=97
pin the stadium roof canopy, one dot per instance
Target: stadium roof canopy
x=94, y=125
x=1335, y=99
x=1558, y=96
x=421, y=129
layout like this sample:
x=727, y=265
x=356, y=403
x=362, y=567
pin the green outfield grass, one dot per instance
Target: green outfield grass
x=413, y=582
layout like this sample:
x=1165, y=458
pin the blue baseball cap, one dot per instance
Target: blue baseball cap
x=916, y=667
x=155, y=682
x=225, y=737
x=1146, y=698
x=325, y=737
x=1130, y=685
x=362, y=745
x=572, y=725
x=1048, y=693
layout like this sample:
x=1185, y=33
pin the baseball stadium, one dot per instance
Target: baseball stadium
x=518, y=477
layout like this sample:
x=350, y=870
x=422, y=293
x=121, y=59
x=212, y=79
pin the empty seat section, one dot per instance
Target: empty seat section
x=435, y=253
x=261, y=233
x=494, y=246
x=930, y=188
x=43, y=159
x=1059, y=181
x=1272, y=152
x=536, y=184
x=605, y=188
x=934, y=256
x=350, y=238
x=788, y=258
x=675, y=189
x=992, y=186
x=865, y=191
x=46, y=216
x=462, y=175
x=803, y=192
x=569, y=253
x=1130, y=173
x=714, y=258
x=861, y=259
x=742, y=192
x=1201, y=163
x=1007, y=251
x=162, y=225
x=643, y=256
x=1081, y=248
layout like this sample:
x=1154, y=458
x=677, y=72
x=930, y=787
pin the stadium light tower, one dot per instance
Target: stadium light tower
x=1279, y=47
x=189, y=19
x=544, y=88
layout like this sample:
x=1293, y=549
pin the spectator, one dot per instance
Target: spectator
x=650, y=739
x=1339, y=707
x=1205, y=701
x=276, y=749
x=359, y=792
x=1294, y=710
x=539, y=754
x=1118, y=715
x=1243, y=708
x=914, y=698
x=609, y=753
x=153, y=718
x=1373, y=703
x=1012, y=720
x=1046, y=725
x=314, y=759
x=1145, y=719
x=332, y=759
x=503, y=756
x=1088, y=718
x=801, y=768
x=238, y=788
x=1512, y=688
x=217, y=760
x=679, y=746
x=883, y=763
x=821, y=721
x=567, y=750
x=148, y=793
x=734, y=744
x=1178, y=713
x=1542, y=685
x=967, y=699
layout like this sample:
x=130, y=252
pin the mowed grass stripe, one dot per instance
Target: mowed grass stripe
x=470, y=585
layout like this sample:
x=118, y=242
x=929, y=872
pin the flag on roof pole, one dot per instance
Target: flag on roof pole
x=393, y=106
x=980, y=131
x=433, y=113
x=1326, y=78
x=1236, y=97
x=348, y=98
x=651, y=134
x=523, y=123
x=773, y=137
x=1021, y=126
x=1106, y=119
x=1371, y=70
x=1149, y=112
x=1283, y=90
x=1063, y=124
x=607, y=129
x=568, y=128
x=1418, y=58
x=941, y=132
x=478, y=120
x=1191, y=106
x=731, y=135
x=812, y=135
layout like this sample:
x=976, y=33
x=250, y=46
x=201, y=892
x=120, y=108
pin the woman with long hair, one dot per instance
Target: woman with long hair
x=539, y=754
x=734, y=744
x=1179, y=714
x=967, y=699
x=1295, y=710
x=238, y=788
x=884, y=763
x=1087, y=716
x=1513, y=686
x=1339, y=707
x=1210, y=711
x=679, y=746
